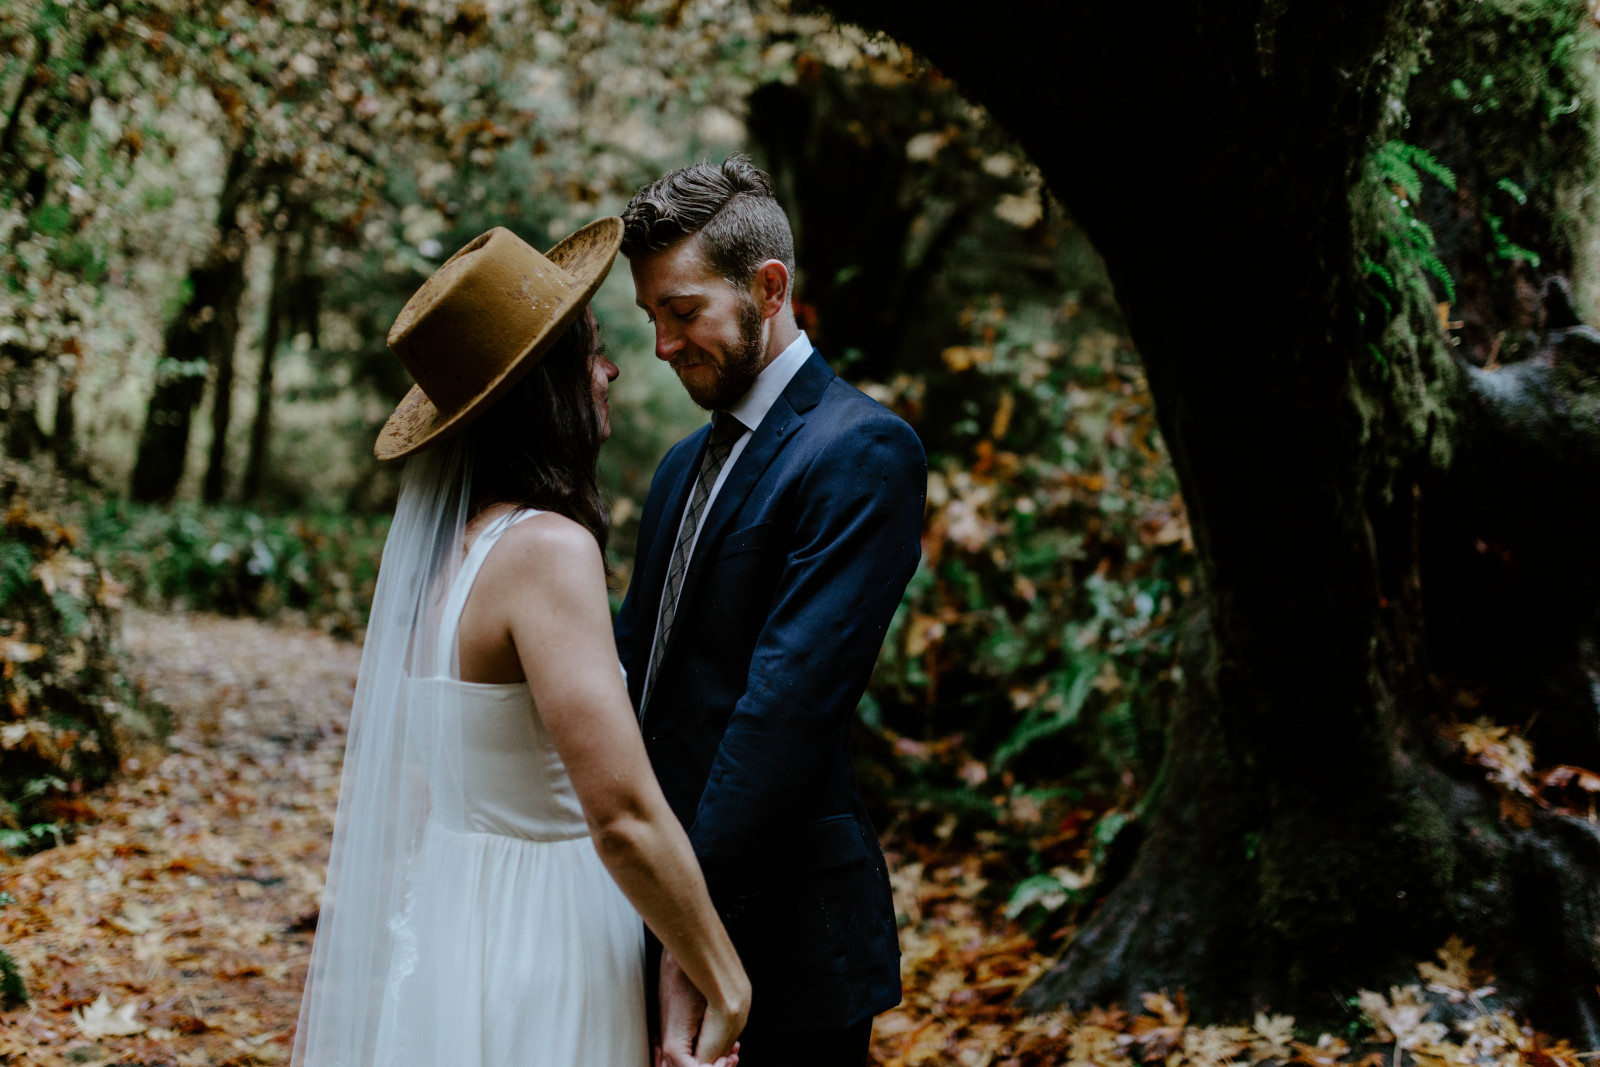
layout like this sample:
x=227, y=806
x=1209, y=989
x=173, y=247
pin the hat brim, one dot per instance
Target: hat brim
x=586, y=255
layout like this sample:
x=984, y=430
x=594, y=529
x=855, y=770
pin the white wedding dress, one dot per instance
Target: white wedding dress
x=515, y=946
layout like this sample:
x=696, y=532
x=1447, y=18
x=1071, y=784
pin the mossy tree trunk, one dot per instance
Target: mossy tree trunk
x=1310, y=832
x=201, y=336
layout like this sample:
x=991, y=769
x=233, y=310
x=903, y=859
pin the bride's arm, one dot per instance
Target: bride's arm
x=547, y=581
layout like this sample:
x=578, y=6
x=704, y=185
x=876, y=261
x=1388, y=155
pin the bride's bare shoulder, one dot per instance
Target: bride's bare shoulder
x=543, y=549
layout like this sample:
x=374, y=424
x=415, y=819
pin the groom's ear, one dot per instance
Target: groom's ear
x=770, y=287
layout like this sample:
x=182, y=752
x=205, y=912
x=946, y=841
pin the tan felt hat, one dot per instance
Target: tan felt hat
x=482, y=321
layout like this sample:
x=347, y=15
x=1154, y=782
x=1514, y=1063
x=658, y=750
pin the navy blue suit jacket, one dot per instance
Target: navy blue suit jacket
x=802, y=560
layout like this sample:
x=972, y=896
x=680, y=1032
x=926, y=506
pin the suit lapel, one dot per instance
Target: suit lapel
x=784, y=418
x=654, y=575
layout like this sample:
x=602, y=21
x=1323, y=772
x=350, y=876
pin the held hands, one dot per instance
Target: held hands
x=693, y=1033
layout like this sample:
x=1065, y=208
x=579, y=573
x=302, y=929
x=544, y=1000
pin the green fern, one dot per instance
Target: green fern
x=1377, y=358
x=1405, y=243
x=1401, y=164
x=1373, y=268
x=1040, y=724
x=16, y=568
x=1504, y=247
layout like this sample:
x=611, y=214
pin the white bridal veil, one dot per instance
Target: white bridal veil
x=362, y=937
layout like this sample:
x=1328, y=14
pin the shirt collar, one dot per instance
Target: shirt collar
x=771, y=382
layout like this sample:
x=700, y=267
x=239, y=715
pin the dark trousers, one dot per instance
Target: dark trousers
x=820, y=1048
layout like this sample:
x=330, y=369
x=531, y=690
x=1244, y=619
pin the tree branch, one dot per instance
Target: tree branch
x=8, y=139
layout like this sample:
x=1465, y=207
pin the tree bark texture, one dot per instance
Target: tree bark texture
x=215, y=482
x=1310, y=834
x=201, y=336
x=271, y=333
x=63, y=438
x=22, y=434
x=293, y=302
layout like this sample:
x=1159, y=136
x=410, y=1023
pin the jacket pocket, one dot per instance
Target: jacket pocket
x=749, y=539
x=830, y=843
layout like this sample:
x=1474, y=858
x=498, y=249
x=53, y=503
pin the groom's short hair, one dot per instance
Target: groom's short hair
x=732, y=207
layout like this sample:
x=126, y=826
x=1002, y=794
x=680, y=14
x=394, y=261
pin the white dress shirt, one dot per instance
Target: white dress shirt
x=749, y=410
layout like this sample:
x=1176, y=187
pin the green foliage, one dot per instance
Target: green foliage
x=1059, y=710
x=52, y=220
x=16, y=569
x=1039, y=898
x=1514, y=65
x=1507, y=90
x=320, y=568
x=1038, y=630
x=1046, y=892
x=1489, y=184
x=1403, y=165
x=65, y=709
x=29, y=838
x=1406, y=244
x=13, y=991
x=1504, y=247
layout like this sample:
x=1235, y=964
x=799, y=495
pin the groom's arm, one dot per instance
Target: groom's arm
x=856, y=543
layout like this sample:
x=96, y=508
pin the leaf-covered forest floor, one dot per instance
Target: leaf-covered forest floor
x=188, y=904
x=176, y=928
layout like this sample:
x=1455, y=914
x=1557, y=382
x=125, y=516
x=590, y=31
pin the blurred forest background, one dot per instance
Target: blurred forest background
x=210, y=213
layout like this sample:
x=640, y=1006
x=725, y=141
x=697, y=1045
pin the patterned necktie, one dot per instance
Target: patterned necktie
x=725, y=431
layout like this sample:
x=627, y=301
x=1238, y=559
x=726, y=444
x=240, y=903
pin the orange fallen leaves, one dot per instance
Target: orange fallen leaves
x=1508, y=758
x=1500, y=750
x=963, y=964
x=1454, y=976
x=173, y=931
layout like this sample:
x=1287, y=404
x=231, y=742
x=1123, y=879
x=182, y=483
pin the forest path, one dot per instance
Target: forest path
x=189, y=900
x=189, y=904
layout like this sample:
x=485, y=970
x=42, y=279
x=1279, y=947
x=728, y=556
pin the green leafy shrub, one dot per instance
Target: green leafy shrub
x=320, y=568
x=65, y=707
x=1054, y=561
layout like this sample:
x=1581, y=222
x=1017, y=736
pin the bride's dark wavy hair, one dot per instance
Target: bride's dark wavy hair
x=538, y=445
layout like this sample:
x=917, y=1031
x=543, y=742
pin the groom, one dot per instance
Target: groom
x=774, y=548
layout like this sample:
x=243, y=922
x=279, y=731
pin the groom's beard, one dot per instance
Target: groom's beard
x=737, y=366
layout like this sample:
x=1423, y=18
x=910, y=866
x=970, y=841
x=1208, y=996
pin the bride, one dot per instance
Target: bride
x=500, y=832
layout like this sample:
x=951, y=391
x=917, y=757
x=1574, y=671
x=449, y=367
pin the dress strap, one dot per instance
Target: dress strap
x=461, y=587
